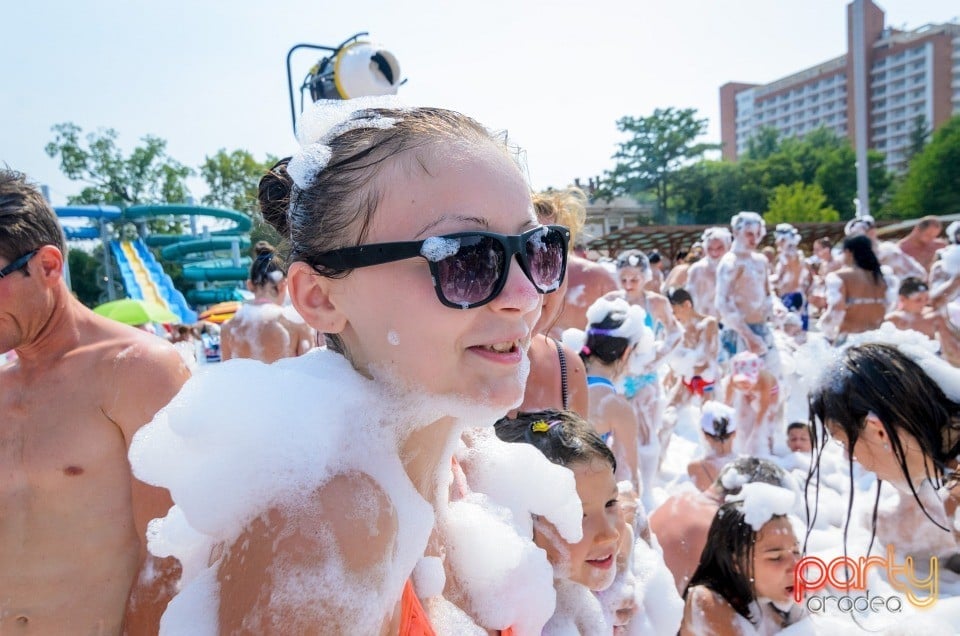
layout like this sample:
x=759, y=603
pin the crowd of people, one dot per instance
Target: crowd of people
x=460, y=424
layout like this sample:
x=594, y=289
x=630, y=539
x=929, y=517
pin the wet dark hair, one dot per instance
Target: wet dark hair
x=336, y=209
x=265, y=262
x=563, y=437
x=861, y=248
x=654, y=257
x=726, y=563
x=720, y=429
x=877, y=378
x=796, y=425
x=678, y=296
x=27, y=221
x=602, y=346
x=752, y=469
x=912, y=285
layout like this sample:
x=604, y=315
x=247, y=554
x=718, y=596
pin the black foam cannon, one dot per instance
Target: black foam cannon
x=355, y=68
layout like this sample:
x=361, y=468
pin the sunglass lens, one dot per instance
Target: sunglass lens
x=471, y=275
x=545, y=251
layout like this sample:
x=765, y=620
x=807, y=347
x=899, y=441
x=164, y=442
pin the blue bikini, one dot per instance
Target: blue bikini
x=596, y=380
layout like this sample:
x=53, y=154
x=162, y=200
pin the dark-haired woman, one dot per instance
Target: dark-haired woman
x=859, y=294
x=263, y=329
x=897, y=415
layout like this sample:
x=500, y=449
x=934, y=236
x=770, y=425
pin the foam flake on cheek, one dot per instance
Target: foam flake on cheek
x=393, y=337
x=436, y=248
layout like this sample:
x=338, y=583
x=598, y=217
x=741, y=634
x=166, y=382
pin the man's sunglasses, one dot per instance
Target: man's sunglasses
x=469, y=268
x=18, y=264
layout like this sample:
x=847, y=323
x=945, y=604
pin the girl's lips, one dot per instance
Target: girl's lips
x=603, y=564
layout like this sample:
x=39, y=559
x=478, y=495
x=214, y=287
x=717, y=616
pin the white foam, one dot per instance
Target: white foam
x=762, y=501
x=436, y=248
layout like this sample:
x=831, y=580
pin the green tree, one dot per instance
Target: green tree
x=233, y=179
x=657, y=147
x=932, y=182
x=763, y=143
x=146, y=175
x=919, y=135
x=709, y=191
x=85, y=277
x=799, y=203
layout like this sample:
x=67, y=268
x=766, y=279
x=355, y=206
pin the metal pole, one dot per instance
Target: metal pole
x=861, y=114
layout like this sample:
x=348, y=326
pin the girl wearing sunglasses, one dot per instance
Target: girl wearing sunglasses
x=415, y=249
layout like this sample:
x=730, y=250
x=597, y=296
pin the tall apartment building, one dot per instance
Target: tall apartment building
x=911, y=73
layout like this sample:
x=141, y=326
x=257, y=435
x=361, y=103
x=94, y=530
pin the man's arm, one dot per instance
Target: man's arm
x=147, y=376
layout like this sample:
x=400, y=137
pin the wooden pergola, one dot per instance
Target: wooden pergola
x=671, y=239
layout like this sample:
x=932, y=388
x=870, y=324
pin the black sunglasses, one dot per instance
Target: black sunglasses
x=469, y=268
x=18, y=264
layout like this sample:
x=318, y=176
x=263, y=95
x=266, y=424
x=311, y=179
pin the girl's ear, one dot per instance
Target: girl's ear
x=310, y=295
x=873, y=427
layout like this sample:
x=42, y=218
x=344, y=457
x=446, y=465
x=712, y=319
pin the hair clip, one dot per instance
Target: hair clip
x=585, y=349
x=542, y=426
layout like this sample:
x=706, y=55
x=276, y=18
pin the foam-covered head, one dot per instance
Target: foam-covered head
x=745, y=221
x=859, y=225
x=613, y=326
x=953, y=232
x=717, y=419
x=786, y=235
x=716, y=241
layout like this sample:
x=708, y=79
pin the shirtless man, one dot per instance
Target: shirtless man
x=923, y=241
x=754, y=394
x=914, y=312
x=677, y=277
x=73, y=520
x=681, y=522
x=702, y=276
x=743, y=293
x=264, y=329
x=889, y=253
x=694, y=362
x=791, y=276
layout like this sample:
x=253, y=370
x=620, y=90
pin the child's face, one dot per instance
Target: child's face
x=592, y=561
x=798, y=440
x=915, y=302
x=775, y=554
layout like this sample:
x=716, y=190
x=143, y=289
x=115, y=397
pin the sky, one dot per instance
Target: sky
x=556, y=75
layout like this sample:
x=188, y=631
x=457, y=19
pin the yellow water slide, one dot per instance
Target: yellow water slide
x=147, y=285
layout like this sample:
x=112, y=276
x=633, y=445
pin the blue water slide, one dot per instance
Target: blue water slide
x=99, y=212
x=130, y=283
x=178, y=304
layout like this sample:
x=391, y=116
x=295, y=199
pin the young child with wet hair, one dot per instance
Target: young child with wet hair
x=718, y=425
x=744, y=582
x=592, y=563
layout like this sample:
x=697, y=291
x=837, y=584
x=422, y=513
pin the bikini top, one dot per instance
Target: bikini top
x=864, y=300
